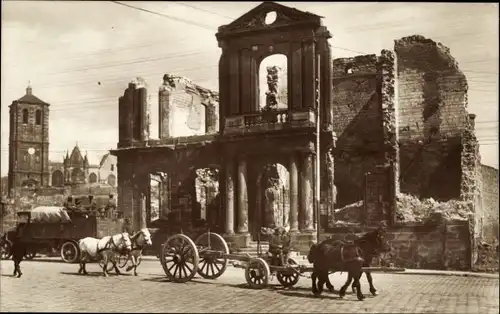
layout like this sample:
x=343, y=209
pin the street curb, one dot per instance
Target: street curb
x=441, y=273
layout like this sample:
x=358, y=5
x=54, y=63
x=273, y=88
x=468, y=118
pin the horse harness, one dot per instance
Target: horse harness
x=341, y=245
x=108, y=245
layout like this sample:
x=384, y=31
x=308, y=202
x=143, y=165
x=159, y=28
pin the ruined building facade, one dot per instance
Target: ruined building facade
x=390, y=124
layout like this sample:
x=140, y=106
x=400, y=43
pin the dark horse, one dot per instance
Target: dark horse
x=347, y=257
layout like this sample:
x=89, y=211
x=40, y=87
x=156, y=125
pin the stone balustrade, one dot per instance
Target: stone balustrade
x=268, y=121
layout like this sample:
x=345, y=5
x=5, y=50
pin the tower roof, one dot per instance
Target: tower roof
x=29, y=98
x=76, y=156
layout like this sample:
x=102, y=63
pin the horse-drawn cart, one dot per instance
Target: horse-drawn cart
x=52, y=228
x=209, y=256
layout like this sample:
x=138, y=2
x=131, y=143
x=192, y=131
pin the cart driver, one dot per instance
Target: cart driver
x=279, y=246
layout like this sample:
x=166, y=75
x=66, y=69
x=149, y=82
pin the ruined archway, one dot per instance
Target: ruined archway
x=272, y=196
x=273, y=82
x=207, y=200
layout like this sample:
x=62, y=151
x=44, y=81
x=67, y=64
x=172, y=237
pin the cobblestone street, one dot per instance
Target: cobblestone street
x=52, y=286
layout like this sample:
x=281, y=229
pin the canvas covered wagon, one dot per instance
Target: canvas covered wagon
x=53, y=228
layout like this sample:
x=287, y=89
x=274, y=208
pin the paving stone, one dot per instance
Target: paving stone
x=49, y=286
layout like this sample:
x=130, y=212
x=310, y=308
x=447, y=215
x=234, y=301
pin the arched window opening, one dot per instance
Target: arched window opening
x=38, y=117
x=25, y=116
x=112, y=180
x=57, y=178
x=348, y=69
x=92, y=178
x=159, y=196
x=273, y=82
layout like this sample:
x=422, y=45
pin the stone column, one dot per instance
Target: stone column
x=306, y=195
x=229, y=196
x=294, y=195
x=242, y=196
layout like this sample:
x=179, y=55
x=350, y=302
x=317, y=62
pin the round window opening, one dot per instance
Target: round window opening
x=270, y=18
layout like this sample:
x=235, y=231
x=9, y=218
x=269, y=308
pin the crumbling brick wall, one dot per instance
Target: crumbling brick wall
x=489, y=203
x=358, y=124
x=432, y=100
x=186, y=109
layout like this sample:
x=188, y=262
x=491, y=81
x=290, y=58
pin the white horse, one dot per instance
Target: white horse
x=139, y=240
x=105, y=249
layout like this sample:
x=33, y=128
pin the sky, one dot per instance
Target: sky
x=80, y=56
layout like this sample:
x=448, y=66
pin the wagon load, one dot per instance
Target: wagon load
x=50, y=214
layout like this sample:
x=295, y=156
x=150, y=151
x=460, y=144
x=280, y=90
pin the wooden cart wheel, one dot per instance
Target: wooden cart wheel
x=288, y=278
x=257, y=273
x=69, y=252
x=179, y=258
x=212, y=264
x=6, y=251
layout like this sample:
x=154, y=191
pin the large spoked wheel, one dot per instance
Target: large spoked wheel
x=179, y=258
x=212, y=264
x=257, y=273
x=288, y=278
x=69, y=252
x=6, y=251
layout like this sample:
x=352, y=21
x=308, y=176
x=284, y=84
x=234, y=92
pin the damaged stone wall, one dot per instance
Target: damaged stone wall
x=442, y=245
x=186, y=109
x=489, y=204
x=133, y=112
x=432, y=101
x=358, y=125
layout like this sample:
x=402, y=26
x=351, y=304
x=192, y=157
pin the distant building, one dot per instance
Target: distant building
x=28, y=142
x=107, y=170
x=76, y=169
x=29, y=164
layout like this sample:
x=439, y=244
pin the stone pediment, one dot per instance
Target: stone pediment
x=255, y=19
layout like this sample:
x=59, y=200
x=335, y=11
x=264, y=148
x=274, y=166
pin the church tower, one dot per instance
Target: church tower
x=28, y=142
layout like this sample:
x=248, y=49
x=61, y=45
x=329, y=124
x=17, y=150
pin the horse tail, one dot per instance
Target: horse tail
x=312, y=253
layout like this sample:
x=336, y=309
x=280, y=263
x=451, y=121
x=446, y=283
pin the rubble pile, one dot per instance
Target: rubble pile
x=412, y=209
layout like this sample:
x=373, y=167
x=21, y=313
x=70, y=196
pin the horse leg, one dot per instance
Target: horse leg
x=135, y=261
x=329, y=285
x=131, y=257
x=357, y=275
x=353, y=287
x=113, y=260
x=313, y=281
x=105, y=264
x=346, y=285
x=370, y=281
x=322, y=278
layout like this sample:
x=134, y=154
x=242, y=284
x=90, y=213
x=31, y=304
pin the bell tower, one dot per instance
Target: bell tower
x=28, y=142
